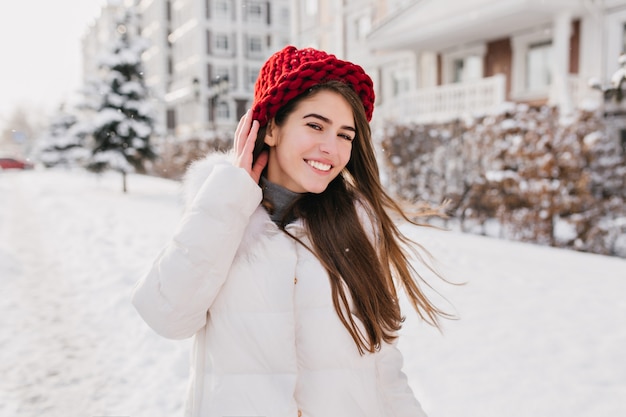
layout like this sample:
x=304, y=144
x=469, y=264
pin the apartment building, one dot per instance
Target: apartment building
x=203, y=56
x=97, y=37
x=155, y=27
x=206, y=55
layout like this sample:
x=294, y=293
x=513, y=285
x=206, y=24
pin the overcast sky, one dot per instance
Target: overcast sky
x=40, y=49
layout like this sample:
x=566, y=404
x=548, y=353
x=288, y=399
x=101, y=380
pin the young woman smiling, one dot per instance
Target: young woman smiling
x=286, y=265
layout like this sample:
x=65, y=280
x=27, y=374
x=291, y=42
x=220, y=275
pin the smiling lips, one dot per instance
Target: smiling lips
x=319, y=165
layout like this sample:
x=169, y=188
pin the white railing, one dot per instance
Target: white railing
x=581, y=94
x=452, y=101
x=446, y=102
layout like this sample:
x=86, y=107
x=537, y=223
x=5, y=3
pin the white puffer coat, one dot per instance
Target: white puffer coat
x=268, y=341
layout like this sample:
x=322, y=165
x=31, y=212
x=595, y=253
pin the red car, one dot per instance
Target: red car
x=12, y=163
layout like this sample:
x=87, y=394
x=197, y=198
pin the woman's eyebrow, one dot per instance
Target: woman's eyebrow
x=327, y=120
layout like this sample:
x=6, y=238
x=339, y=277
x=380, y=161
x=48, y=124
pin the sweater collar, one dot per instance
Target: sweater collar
x=277, y=200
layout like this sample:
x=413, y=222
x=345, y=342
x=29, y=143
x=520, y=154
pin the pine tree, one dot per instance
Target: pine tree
x=123, y=124
x=63, y=143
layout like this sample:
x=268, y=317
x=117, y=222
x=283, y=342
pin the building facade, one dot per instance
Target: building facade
x=473, y=55
x=206, y=57
x=342, y=27
x=430, y=60
x=97, y=37
x=203, y=58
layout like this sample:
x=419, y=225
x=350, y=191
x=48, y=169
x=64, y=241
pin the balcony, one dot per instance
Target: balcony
x=451, y=101
x=446, y=102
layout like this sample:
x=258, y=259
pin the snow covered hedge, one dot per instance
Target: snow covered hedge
x=519, y=175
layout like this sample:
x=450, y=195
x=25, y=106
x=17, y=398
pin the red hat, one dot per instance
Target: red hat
x=290, y=72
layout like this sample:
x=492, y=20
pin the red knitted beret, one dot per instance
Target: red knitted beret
x=290, y=72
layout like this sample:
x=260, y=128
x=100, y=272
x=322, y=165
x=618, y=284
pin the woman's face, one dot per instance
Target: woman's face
x=313, y=145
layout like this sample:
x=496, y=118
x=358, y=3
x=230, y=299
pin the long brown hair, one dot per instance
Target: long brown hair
x=364, y=264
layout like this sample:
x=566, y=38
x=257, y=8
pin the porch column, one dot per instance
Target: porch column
x=559, y=93
x=593, y=50
x=427, y=75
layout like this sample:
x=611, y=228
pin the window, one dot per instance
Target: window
x=531, y=72
x=222, y=73
x=457, y=70
x=538, y=72
x=222, y=8
x=401, y=82
x=221, y=43
x=254, y=11
x=463, y=65
x=255, y=46
x=223, y=112
x=252, y=75
x=468, y=68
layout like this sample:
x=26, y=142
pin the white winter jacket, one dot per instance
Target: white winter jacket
x=268, y=341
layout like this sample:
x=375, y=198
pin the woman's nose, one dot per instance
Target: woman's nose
x=328, y=143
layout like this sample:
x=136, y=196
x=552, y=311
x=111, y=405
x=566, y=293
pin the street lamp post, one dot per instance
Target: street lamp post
x=197, y=124
x=218, y=87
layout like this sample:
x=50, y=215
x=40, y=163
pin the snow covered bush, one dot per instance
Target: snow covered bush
x=537, y=180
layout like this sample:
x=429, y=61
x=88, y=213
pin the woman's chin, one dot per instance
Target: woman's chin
x=316, y=188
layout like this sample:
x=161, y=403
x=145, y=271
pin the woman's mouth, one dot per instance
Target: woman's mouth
x=319, y=165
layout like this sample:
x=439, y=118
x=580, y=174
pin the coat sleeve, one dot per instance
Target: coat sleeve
x=176, y=293
x=398, y=396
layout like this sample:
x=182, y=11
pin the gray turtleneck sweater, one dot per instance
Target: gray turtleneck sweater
x=277, y=199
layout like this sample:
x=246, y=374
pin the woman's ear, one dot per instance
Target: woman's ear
x=271, y=137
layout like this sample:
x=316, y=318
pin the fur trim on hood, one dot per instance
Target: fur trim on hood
x=199, y=170
x=197, y=173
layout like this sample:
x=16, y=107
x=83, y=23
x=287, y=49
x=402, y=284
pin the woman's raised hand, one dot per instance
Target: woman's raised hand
x=245, y=138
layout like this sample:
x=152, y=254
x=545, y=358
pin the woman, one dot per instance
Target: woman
x=284, y=263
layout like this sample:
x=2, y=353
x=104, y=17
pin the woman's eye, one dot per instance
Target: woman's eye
x=346, y=137
x=314, y=126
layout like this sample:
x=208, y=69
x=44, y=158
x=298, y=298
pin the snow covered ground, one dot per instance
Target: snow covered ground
x=541, y=331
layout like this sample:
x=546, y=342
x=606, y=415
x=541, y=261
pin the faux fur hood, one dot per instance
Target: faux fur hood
x=199, y=170
x=260, y=222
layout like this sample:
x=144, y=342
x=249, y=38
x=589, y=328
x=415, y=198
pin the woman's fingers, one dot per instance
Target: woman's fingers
x=241, y=133
x=248, y=147
x=245, y=139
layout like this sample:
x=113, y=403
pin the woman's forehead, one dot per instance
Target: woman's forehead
x=329, y=104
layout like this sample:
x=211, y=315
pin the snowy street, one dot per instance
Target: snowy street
x=541, y=331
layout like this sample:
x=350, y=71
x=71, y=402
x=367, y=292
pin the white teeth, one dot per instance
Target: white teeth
x=319, y=165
